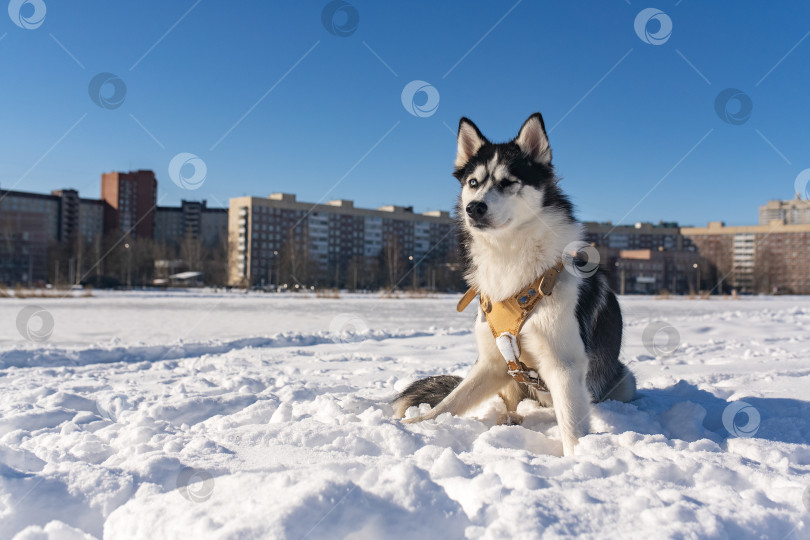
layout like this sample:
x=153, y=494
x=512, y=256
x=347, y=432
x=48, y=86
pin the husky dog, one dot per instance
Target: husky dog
x=515, y=224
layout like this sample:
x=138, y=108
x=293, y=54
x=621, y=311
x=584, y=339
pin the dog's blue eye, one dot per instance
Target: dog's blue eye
x=473, y=182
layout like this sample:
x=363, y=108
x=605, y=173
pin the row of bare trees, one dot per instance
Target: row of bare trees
x=295, y=265
x=767, y=272
x=115, y=260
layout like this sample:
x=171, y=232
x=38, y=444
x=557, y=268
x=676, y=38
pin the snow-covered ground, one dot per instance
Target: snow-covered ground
x=206, y=415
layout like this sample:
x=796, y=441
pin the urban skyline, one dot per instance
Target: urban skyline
x=262, y=241
x=747, y=217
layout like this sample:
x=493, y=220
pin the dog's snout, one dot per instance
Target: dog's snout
x=477, y=209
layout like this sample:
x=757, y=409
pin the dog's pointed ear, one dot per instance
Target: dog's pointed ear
x=470, y=141
x=533, y=141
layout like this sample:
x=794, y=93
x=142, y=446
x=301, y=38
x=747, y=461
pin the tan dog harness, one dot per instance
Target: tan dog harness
x=506, y=318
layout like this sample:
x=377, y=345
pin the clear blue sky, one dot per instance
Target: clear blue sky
x=611, y=146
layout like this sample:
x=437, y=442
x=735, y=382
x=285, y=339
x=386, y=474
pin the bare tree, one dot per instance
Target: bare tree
x=393, y=259
x=191, y=251
x=215, y=263
x=295, y=265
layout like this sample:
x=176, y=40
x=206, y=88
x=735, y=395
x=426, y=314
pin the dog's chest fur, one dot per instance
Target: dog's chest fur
x=502, y=265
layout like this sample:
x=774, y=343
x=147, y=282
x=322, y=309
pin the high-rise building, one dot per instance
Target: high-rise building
x=34, y=225
x=192, y=219
x=91, y=219
x=59, y=236
x=68, y=215
x=772, y=258
x=29, y=224
x=130, y=200
x=793, y=212
x=281, y=239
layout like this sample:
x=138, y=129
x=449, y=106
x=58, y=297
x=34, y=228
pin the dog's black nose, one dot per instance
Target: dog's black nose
x=476, y=209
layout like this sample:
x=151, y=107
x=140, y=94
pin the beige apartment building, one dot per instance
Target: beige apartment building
x=281, y=241
x=793, y=212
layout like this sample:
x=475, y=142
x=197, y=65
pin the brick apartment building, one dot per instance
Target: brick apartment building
x=645, y=258
x=37, y=229
x=280, y=239
x=773, y=258
x=650, y=271
x=130, y=200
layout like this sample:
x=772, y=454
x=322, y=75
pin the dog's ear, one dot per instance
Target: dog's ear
x=470, y=141
x=533, y=141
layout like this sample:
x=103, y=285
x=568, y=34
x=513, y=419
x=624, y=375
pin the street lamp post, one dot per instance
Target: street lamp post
x=622, y=278
x=275, y=263
x=697, y=278
x=129, y=265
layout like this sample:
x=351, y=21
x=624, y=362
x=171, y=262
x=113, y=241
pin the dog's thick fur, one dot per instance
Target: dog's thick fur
x=514, y=224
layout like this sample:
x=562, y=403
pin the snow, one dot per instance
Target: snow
x=221, y=415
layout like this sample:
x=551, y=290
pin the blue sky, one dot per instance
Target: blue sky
x=636, y=136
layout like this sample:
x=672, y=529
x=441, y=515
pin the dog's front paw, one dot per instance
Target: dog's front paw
x=422, y=413
x=510, y=419
x=414, y=415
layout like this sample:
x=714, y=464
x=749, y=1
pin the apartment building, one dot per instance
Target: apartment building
x=772, y=258
x=39, y=232
x=645, y=258
x=91, y=219
x=130, y=200
x=192, y=219
x=664, y=235
x=29, y=224
x=650, y=271
x=279, y=239
x=793, y=212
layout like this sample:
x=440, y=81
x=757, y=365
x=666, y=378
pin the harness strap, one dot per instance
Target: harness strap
x=506, y=319
x=466, y=299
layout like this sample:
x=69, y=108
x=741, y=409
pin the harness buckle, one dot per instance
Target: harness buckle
x=549, y=280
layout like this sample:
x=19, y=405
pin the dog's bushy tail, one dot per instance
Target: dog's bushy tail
x=431, y=390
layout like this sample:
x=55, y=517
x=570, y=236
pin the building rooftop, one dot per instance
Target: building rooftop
x=719, y=227
x=662, y=227
x=345, y=206
x=342, y=203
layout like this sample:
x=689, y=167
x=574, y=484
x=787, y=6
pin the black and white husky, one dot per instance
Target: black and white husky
x=514, y=224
